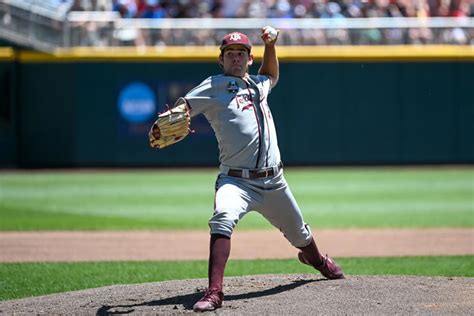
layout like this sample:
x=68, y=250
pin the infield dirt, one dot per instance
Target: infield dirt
x=269, y=244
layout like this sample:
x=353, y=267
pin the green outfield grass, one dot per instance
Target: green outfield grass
x=183, y=199
x=32, y=279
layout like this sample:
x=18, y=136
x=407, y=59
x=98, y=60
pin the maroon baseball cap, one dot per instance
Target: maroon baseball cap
x=236, y=38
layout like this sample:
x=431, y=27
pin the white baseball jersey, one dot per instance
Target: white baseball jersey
x=238, y=112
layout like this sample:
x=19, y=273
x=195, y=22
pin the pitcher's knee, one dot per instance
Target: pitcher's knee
x=223, y=223
x=299, y=237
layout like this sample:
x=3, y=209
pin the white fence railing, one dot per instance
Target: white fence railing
x=85, y=29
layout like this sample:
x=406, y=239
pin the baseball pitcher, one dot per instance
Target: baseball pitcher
x=251, y=172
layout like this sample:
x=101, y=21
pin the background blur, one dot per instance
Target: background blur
x=363, y=82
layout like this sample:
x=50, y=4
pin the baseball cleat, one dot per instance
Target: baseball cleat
x=329, y=268
x=211, y=300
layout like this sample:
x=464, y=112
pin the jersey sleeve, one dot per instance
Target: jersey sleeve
x=199, y=99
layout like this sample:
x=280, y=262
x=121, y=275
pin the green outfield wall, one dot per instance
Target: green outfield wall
x=8, y=127
x=347, y=106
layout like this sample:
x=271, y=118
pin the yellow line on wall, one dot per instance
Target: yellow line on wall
x=7, y=54
x=377, y=53
x=285, y=53
x=125, y=54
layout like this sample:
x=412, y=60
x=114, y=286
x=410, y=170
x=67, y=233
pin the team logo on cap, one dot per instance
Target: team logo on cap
x=235, y=37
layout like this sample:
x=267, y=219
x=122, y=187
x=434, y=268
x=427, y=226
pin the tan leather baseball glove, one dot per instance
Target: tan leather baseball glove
x=170, y=127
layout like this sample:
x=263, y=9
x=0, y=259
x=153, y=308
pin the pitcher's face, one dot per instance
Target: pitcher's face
x=235, y=60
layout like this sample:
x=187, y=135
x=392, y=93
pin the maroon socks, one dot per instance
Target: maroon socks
x=218, y=254
x=312, y=254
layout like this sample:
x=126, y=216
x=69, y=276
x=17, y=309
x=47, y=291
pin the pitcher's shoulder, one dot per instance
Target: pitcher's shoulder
x=228, y=83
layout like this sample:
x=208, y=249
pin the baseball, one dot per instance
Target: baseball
x=272, y=33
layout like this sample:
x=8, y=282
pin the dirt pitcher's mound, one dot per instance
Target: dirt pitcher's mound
x=269, y=295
